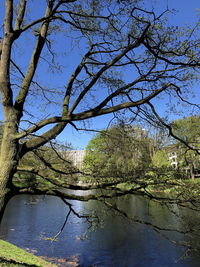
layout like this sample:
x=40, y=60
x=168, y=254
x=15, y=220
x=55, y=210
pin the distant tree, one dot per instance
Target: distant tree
x=96, y=153
x=161, y=159
x=120, y=151
x=188, y=129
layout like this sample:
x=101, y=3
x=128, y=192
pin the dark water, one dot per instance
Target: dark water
x=115, y=242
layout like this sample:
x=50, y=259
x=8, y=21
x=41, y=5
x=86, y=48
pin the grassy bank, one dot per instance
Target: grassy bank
x=12, y=256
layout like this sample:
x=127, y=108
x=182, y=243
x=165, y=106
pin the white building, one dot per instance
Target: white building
x=172, y=151
x=173, y=159
x=76, y=157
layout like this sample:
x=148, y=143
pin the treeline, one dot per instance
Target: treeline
x=126, y=150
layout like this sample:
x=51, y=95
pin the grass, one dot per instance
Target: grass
x=12, y=256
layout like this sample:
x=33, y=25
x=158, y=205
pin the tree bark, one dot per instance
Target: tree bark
x=9, y=157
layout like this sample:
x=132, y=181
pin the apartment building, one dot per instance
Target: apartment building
x=76, y=157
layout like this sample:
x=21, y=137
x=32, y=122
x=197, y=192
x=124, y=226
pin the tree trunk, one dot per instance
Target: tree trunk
x=8, y=164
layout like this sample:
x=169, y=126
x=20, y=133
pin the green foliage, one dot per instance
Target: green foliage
x=96, y=152
x=120, y=151
x=188, y=129
x=188, y=161
x=160, y=159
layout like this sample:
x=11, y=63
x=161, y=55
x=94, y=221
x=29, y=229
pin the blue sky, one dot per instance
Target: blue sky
x=186, y=14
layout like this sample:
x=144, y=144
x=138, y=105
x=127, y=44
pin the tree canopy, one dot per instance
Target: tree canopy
x=161, y=159
x=188, y=129
x=121, y=151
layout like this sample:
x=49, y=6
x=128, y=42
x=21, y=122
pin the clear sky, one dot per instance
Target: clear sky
x=186, y=13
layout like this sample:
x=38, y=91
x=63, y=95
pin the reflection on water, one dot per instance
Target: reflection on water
x=30, y=220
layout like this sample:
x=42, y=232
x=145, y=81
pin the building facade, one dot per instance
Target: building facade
x=76, y=157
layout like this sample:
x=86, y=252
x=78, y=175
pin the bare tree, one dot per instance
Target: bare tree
x=111, y=38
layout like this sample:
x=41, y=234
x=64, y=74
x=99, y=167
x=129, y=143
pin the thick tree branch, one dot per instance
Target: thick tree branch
x=20, y=17
x=21, y=97
x=61, y=183
x=71, y=82
x=97, y=111
x=7, y=96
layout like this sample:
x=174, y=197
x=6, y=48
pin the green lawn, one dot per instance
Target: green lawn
x=11, y=255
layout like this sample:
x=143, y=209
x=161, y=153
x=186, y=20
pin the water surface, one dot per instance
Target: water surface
x=30, y=220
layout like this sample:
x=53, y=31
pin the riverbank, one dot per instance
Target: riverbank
x=12, y=256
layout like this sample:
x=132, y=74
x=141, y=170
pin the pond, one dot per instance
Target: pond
x=30, y=221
